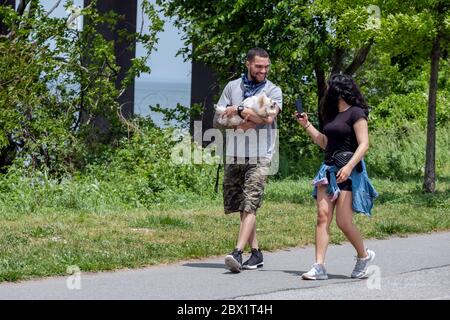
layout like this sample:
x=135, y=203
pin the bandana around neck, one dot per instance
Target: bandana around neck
x=251, y=87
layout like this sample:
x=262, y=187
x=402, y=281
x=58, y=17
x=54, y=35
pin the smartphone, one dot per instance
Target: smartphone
x=299, y=107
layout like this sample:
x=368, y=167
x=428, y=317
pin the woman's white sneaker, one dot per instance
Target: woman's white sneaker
x=360, y=270
x=317, y=272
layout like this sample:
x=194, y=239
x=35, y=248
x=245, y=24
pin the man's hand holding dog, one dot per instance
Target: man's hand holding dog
x=246, y=124
x=230, y=112
x=252, y=116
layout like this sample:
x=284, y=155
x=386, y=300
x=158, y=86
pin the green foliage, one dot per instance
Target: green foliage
x=138, y=173
x=398, y=152
x=57, y=84
x=179, y=116
x=308, y=39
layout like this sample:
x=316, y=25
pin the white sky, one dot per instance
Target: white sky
x=165, y=66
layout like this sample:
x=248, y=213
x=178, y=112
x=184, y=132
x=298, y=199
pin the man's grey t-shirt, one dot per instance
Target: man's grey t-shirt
x=240, y=144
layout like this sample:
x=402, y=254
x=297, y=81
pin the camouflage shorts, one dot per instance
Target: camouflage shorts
x=243, y=186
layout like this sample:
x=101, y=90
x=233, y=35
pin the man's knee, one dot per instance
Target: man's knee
x=246, y=212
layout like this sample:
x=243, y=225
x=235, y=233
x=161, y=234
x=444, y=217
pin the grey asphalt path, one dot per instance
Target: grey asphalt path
x=414, y=267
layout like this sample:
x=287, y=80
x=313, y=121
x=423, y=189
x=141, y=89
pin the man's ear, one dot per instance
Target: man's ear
x=247, y=64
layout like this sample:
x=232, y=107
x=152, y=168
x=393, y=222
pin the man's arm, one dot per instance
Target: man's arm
x=250, y=115
x=218, y=125
x=225, y=100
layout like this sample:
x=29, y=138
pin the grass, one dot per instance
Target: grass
x=46, y=242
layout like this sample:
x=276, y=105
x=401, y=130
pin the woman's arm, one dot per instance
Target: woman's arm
x=362, y=136
x=318, y=138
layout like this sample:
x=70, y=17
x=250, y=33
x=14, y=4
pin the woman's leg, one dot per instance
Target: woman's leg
x=344, y=220
x=324, y=217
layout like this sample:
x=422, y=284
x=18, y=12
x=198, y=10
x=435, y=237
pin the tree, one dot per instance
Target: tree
x=305, y=38
x=439, y=12
x=424, y=27
x=307, y=41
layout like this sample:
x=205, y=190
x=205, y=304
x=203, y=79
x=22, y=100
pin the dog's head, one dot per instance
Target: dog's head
x=266, y=106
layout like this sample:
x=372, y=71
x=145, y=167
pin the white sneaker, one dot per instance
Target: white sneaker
x=317, y=272
x=360, y=270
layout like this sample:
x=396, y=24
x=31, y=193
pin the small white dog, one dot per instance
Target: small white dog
x=262, y=105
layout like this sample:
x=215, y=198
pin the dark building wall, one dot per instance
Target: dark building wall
x=125, y=51
x=204, y=91
x=11, y=3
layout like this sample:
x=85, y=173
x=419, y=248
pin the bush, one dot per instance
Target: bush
x=400, y=152
x=137, y=173
x=59, y=87
x=400, y=110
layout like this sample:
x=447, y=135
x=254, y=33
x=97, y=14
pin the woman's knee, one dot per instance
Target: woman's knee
x=344, y=224
x=323, y=217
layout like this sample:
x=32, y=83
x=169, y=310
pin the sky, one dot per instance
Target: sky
x=165, y=66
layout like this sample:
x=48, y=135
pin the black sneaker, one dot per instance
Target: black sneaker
x=255, y=261
x=233, y=261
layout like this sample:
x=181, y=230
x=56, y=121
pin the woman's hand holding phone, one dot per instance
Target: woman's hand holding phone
x=302, y=117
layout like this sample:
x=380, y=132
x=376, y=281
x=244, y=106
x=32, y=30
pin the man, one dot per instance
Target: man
x=247, y=162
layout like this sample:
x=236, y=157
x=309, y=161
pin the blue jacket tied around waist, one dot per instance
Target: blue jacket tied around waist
x=362, y=190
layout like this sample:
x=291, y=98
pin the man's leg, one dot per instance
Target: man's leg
x=247, y=231
x=252, y=241
x=233, y=196
x=253, y=194
x=248, y=235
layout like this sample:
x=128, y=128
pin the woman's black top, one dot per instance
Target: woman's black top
x=340, y=133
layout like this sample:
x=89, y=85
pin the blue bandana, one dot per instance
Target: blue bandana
x=251, y=87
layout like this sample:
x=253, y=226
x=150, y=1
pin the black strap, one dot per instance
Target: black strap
x=216, y=187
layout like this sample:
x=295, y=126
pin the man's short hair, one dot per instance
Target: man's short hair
x=252, y=53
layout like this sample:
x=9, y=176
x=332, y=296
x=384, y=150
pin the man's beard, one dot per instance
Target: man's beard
x=254, y=78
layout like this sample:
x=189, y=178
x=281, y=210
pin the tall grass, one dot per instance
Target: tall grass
x=400, y=152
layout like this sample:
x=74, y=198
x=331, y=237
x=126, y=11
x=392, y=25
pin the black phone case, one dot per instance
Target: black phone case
x=299, y=106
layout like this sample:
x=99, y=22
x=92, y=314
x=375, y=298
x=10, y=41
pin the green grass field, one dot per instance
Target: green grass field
x=46, y=242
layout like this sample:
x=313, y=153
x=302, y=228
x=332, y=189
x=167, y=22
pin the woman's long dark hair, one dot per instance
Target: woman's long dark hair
x=341, y=86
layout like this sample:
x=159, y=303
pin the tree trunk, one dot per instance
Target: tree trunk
x=359, y=58
x=338, y=60
x=430, y=173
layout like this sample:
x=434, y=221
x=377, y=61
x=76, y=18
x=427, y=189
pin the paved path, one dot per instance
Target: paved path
x=415, y=267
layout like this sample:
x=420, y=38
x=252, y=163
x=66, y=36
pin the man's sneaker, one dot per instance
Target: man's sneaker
x=317, y=272
x=233, y=261
x=255, y=261
x=360, y=270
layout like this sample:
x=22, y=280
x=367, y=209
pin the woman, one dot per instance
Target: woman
x=345, y=188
